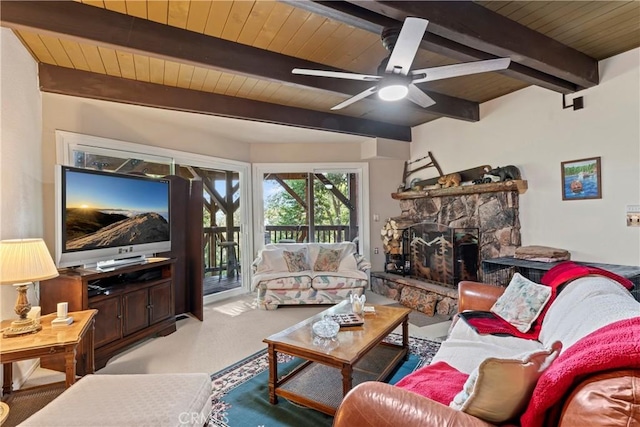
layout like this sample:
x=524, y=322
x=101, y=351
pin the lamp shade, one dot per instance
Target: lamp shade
x=25, y=260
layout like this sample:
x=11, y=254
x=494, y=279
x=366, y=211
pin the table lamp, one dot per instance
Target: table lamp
x=22, y=262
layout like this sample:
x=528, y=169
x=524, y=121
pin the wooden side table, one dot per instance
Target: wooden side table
x=49, y=341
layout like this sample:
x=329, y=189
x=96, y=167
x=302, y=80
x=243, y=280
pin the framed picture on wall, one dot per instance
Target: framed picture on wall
x=581, y=179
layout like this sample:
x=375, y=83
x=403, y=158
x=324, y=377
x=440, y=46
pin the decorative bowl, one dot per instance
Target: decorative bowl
x=326, y=328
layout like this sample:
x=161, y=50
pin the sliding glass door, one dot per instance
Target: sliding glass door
x=222, y=246
x=310, y=204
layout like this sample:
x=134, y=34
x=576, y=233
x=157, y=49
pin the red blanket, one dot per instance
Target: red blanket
x=439, y=382
x=554, y=278
x=615, y=346
x=569, y=270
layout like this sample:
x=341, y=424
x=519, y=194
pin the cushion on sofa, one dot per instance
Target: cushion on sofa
x=271, y=260
x=270, y=257
x=522, y=302
x=327, y=259
x=347, y=248
x=499, y=389
x=296, y=260
x=348, y=262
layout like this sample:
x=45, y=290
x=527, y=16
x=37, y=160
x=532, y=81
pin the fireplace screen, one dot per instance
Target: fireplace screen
x=441, y=254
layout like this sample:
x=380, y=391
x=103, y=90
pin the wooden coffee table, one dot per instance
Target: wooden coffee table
x=332, y=368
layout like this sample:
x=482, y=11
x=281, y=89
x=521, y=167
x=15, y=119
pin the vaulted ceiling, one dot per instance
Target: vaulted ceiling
x=234, y=58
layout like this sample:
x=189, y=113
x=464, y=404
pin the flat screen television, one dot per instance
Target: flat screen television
x=106, y=219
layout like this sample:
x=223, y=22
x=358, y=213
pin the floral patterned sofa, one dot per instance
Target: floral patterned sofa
x=308, y=273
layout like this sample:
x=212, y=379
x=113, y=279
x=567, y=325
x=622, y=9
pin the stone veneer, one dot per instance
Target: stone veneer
x=496, y=215
x=391, y=286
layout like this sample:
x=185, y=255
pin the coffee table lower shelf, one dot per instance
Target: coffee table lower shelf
x=319, y=386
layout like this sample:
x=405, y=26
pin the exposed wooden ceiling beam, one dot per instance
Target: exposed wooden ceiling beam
x=367, y=20
x=127, y=33
x=477, y=27
x=85, y=84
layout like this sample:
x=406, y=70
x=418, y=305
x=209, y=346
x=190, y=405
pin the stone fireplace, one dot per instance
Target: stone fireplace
x=495, y=215
x=491, y=210
x=437, y=253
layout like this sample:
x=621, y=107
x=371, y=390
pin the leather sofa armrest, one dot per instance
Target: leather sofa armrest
x=613, y=396
x=477, y=296
x=382, y=405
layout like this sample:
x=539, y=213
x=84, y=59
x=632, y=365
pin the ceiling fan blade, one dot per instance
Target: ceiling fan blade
x=407, y=45
x=336, y=74
x=417, y=96
x=456, y=70
x=356, y=98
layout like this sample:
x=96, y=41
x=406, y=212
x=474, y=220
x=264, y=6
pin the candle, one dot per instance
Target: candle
x=63, y=308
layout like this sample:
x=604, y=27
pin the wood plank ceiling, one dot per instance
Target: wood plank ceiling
x=234, y=58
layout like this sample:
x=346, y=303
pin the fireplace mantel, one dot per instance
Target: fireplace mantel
x=516, y=185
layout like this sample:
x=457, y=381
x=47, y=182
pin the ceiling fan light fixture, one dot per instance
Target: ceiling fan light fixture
x=393, y=92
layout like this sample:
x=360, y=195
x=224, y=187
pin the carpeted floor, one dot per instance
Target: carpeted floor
x=205, y=346
x=24, y=403
x=240, y=392
x=419, y=319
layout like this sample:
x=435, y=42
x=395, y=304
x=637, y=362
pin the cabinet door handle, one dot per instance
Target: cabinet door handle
x=150, y=306
x=119, y=316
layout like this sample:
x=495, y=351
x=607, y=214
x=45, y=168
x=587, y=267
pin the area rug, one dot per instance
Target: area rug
x=241, y=393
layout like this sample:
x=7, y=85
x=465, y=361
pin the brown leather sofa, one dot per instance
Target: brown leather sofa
x=607, y=399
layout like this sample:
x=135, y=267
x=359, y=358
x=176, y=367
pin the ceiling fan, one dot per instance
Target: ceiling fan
x=395, y=78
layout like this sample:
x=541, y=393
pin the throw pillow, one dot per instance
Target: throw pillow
x=522, y=302
x=349, y=262
x=271, y=260
x=327, y=260
x=296, y=261
x=422, y=301
x=499, y=389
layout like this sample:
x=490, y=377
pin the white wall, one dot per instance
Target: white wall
x=21, y=214
x=531, y=130
x=385, y=176
x=194, y=133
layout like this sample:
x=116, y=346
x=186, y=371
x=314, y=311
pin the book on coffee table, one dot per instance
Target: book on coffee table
x=349, y=319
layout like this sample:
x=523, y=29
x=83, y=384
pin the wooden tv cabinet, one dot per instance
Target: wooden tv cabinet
x=137, y=302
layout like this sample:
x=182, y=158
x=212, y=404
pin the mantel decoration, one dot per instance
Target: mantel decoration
x=581, y=179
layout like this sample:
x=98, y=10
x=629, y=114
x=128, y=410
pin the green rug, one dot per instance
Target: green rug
x=241, y=393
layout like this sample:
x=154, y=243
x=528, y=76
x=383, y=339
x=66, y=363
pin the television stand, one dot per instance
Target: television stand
x=112, y=264
x=134, y=302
